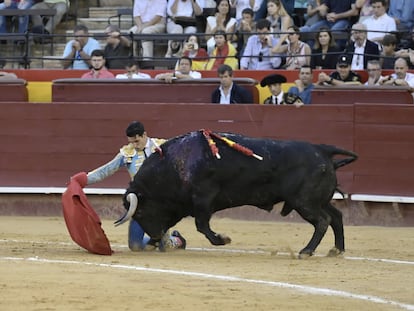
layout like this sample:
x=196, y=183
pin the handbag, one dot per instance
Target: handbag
x=185, y=21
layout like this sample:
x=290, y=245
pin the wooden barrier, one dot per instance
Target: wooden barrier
x=142, y=90
x=384, y=140
x=42, y=145
x=13, y=90
x=349, y=94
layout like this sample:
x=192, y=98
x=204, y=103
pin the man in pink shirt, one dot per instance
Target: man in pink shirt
x=98, y=70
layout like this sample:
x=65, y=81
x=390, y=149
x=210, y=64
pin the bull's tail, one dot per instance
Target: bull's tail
x=333, y=151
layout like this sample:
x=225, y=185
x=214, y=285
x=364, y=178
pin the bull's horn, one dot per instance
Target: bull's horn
x=133, y=204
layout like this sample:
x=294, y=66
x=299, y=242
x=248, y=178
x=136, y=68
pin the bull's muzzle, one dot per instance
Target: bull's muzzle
x=133, y=204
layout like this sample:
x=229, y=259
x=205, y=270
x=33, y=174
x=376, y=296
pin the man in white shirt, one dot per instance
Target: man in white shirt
x=181, y=8
x=184, y=72
x=149, y=17
x=401, y=76
x=380, y=23
x=132, y=73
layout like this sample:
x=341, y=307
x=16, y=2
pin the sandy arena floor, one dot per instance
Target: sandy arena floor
x=42, y=269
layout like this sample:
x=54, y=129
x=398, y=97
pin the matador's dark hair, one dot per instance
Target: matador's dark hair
x=135, y=128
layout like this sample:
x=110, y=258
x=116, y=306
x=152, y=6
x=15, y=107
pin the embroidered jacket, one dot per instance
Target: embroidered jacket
x=128, y=157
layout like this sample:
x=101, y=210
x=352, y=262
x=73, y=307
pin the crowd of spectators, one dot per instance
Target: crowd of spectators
x=341, y=35
x=318, y=40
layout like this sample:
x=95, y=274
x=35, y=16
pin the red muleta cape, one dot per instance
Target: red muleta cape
x=83, y=223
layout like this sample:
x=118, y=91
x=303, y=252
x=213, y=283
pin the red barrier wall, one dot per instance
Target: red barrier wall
x=384, y=140
x=44, y=144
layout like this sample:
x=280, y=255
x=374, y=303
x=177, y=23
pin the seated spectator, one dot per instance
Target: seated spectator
x=260, y=7
x=374, y=73
x=335, y=17
x=192, y=49
x=407, y=49
x=257, y=54
x=342, y=75
x=361, y=49
x=325, y=52
x=149, y=17
x=389, y=55
x=380, y=23
x=221, y=21
x=245, y=29
x=313, y=12
x=98, y=70
x=7, y=75
x=279, y=19
x=117, y=49
x=408, y=43
x=78, y=50
x=240, y=5
x=181, y=9
x=401, y=76
x=132, y=72
x=229, y=92
x=363, y=10
x=402, y=11
x=223, y=53
x=297, y=53
x=61, y=7
x=304, y=85
x=274, y=83
x=185, y=72
x=23, y=20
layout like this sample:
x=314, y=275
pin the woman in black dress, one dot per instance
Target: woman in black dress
x=325, y=51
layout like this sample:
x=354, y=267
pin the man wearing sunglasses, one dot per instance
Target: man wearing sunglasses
x=342, y=75
x=257, y=54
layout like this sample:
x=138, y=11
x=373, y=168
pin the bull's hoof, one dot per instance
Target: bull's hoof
x=225, y=239
x=334, y=252
x=305, y=253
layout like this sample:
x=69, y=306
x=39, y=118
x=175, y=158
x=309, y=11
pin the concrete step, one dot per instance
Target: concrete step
x=101, y=23
x=39, y=50
x=105, y=12
x=52, y=63
x=120, y=3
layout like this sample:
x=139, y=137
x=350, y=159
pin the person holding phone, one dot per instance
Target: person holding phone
x=258, y=54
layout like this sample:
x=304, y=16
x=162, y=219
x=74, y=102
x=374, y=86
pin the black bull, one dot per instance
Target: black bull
x=186, y=179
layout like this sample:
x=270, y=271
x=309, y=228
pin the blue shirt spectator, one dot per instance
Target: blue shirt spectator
x=303, y=87
x=403, y=13
x=257, y=53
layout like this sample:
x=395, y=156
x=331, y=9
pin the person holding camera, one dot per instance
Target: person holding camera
x=181, y=19
x=257, y=54
x=192, y=49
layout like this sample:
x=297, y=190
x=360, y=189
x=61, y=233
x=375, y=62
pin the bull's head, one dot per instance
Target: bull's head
x=133, y=204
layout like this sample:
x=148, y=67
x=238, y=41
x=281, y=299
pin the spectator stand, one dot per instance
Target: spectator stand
x=21, y=42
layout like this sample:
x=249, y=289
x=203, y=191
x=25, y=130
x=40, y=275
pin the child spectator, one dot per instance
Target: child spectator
x=388, y=55
x=223, y=53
